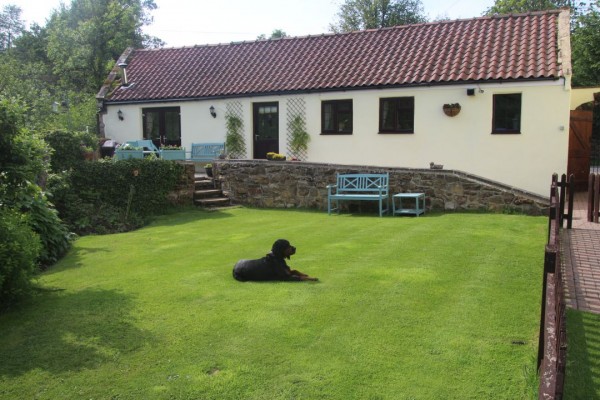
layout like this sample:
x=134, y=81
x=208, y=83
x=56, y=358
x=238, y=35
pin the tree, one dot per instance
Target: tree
x=371, y=14
x=11, y=26
x=85, y=40
x=276, y=34
x=23, y=159
x=522, y=6
x=585, y=45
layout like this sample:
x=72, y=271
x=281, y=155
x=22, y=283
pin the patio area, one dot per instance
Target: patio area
x=581, y=259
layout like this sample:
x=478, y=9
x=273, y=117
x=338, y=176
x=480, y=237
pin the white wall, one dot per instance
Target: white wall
x=463, y=142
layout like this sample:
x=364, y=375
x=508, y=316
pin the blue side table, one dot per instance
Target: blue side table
x=418, y=198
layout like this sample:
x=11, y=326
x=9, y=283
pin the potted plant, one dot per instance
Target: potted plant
x=299, y=137
x=209, y=170
x=88, y=153
x=172, y=152
x=128, y=151
x=234, y=141
x=275, y=156
x=451, y=109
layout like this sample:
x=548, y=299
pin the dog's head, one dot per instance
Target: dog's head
x=283, y=249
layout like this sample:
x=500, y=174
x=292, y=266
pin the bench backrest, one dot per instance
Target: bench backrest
x=363, y=182
x=206, y=151
x=147, y=145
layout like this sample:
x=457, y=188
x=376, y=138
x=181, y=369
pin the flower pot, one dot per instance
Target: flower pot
x=127, y=154
x=451, y=110
x=209, y=172
x=172, y=154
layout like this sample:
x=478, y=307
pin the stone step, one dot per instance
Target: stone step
x=212, y=202
x=204, y=193
x=204, y=185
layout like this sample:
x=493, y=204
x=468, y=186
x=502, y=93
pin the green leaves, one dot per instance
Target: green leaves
x=97, y=197
x=371, y=14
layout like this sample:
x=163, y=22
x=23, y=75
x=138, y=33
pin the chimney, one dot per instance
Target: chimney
x=123, y=66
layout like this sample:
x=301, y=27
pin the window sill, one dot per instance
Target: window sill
x=396, y=132
x=336, y=133
x=506, y=132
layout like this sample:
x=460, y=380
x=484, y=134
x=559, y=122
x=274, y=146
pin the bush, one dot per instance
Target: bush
x=44, y=220
x=19, y=250
x=68, y=147
x=113, y=196
x=91, y=216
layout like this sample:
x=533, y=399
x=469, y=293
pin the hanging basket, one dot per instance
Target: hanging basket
x=451, y=109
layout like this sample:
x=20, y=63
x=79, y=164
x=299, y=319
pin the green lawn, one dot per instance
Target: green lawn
x=582, y=379
x=435, y=307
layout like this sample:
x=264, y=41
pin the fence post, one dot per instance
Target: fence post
x=596, y=198
x=561, y=199
x=571, y=183
x=590, y=202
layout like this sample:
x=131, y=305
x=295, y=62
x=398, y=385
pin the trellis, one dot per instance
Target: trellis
x=296, y=107
x=236, y=110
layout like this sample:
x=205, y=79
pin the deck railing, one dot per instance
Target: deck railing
x=552, y=337
x=593, y=197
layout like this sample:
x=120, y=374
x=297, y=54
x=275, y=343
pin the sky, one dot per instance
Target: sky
x=197, y=22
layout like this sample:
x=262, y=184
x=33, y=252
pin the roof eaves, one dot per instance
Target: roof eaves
x=327, y=90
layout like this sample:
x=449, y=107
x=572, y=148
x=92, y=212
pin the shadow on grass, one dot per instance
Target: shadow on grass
x=582, y=379
x=188, y=214
x=59, y=332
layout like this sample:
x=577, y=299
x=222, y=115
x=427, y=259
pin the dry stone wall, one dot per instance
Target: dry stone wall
x=287, y=184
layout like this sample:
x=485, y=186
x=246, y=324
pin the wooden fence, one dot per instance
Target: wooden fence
x=593, y=197
x=552, y=338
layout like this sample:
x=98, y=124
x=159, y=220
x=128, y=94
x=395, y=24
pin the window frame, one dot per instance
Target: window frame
x=162, y=122
x=336, y=116
x=496, y=112
x=395, y=102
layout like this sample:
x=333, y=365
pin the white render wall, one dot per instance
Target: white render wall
x=463, y=142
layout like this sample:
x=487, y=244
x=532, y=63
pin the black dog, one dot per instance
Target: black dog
x=272, y=267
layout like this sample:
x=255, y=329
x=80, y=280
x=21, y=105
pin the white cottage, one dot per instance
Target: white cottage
x=372, y=97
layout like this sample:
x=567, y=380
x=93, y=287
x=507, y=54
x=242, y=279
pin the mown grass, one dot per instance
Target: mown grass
x=435, y=307
x=582, y=380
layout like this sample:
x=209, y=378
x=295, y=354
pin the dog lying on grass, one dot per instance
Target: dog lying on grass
x=272, y=267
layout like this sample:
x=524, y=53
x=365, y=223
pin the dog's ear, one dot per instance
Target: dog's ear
x=279, y=248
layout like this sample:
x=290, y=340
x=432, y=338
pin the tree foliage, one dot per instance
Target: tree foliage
x=585, y=45
x=371, y=14
x=85, y=40
x=66, y=61
x=276, y=34
x=522, y=6
x=11, y=26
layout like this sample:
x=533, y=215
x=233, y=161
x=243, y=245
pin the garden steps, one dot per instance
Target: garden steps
x=207, y=194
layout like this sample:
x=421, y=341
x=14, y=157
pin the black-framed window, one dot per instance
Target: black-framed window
x=397, y=115
x=336, y=117
x=162, y=125
x=507, y=113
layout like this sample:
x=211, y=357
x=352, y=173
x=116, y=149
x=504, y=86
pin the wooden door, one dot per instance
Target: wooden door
x=580, y=147
x=266, y=129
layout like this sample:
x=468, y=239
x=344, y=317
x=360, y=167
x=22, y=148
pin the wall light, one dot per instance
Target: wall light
x=213, y=112
x=120, y=115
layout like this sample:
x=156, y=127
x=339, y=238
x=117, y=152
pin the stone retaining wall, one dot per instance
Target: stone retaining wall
x=287, y=184
x=184, y=190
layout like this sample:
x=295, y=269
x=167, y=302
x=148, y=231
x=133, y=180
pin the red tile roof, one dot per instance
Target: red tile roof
x=513, y=47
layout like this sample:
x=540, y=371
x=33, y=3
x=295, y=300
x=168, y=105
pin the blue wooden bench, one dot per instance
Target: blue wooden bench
x=147, y=145
x=206, y=151
x=371, y=187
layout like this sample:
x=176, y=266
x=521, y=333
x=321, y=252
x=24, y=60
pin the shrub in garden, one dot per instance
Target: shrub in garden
x=19, y=250
x=113, y=196
x=68, y=148
x=44, y=220
x=22, y=161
